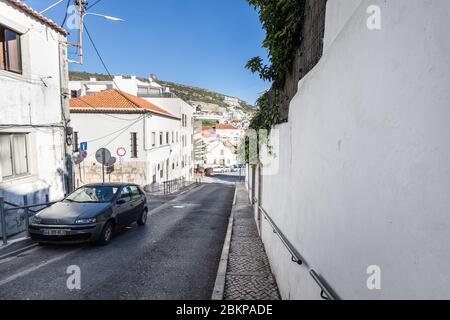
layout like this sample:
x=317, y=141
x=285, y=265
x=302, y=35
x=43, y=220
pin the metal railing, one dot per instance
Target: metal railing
x=326, y=292
x=171, y=186
x=27, y=213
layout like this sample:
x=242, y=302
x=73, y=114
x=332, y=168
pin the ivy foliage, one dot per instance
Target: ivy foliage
x=281, y=19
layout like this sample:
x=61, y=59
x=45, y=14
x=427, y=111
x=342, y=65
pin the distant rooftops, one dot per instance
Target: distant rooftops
x=115, y=101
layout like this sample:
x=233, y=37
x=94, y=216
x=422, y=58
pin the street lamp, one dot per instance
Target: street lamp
x=82, y=16
x=114, y=19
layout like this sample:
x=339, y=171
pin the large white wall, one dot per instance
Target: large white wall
x=364, y=173
x=34, y=98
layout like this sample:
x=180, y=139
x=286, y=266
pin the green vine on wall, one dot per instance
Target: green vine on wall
x=281, y=19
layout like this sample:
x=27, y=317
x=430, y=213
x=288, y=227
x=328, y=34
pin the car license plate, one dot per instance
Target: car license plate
x=52, y=232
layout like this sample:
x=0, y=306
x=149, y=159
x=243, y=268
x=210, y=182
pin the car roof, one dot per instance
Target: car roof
x=118, y=184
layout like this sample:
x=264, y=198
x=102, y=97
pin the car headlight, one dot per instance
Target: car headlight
x=36, y=220
x=86, y=221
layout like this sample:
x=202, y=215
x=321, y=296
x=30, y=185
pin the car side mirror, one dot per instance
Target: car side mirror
x=121, y=201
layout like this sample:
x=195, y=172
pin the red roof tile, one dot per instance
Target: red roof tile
x=22, y=6
x=225, y=127
x=114, y=101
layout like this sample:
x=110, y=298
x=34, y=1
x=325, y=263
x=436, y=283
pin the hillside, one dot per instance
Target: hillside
x=197, y=96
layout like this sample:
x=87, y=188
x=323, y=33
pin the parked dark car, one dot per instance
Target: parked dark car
x=90, y=214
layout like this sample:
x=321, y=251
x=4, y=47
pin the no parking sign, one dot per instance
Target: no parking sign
x=121, y=152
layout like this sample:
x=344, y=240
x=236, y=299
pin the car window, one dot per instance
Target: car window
x=125, y=194
x=135, y=193
x=93, y=194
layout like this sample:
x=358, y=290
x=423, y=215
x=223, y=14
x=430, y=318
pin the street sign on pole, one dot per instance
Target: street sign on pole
x=83, y=146
x=121, y=152
x=103, y=156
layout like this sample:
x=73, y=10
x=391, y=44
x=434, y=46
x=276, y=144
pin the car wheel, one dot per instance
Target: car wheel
x=106, y=234
x=143, y=219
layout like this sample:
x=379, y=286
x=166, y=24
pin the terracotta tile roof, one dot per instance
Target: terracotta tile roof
x=22, y=6
x=225, y=127
x=114, y=101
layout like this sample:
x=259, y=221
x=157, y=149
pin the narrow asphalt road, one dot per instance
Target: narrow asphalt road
x=175, y=256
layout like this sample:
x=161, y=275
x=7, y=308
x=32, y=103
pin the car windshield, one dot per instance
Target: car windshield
x=93, y=194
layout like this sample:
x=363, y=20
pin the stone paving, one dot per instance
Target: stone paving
x=248, y=275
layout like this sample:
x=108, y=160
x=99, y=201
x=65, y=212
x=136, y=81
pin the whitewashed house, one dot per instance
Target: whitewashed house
x=159, y=96
x=33, y=108
x=221, y=153
x=150, y=136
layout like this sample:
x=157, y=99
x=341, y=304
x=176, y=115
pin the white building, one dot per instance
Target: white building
x=360, y=180
x=159, y=96
x=150, y=136
x=229, y=133
x=34, y=111
x=221, y=153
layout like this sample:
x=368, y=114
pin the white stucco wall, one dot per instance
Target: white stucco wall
x=178, y=107
x=364, y=173
x=114, y=131
x=217, y=151
x=26, y=100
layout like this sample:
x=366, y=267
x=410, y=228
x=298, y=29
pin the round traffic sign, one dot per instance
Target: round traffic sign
x=83, y=154
x=121, y=152
x=103, y=156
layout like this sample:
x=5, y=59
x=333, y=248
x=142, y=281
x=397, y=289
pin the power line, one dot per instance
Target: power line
x=107, y=69
x=94, y=4
x=120, y=130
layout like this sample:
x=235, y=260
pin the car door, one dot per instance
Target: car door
x=137, y=202
x=125, y=207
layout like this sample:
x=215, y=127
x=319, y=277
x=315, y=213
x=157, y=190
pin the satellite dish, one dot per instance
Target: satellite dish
x=103, y=156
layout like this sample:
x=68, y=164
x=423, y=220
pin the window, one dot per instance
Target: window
x=153, y=139
x=135, y=192
x=134, y=152
x=13, y=155
x=161, y=142
x=173, y=137
x=178, y=137
x=167, y=138
x=126, y=194
x=76, y=144
x=222, y=152
x=10, y=53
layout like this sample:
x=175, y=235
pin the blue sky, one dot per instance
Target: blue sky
x=204, y=43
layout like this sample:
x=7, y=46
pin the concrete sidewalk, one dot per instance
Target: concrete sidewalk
x=248, y=275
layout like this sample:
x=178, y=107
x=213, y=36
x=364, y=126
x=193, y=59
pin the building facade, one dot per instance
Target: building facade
x=145, y=140
x=34, y=155
x=159, y=96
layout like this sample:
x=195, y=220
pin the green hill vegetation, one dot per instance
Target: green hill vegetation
x=185, y=92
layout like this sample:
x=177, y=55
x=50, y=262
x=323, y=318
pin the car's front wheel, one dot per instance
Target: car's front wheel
x=106, y=234
x=143, y=218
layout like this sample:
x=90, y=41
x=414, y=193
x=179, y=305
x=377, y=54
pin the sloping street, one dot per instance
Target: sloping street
x=175, y=256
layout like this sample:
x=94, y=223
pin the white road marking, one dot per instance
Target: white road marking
x=21, y=254
x=32, y=269
x=20, y=250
